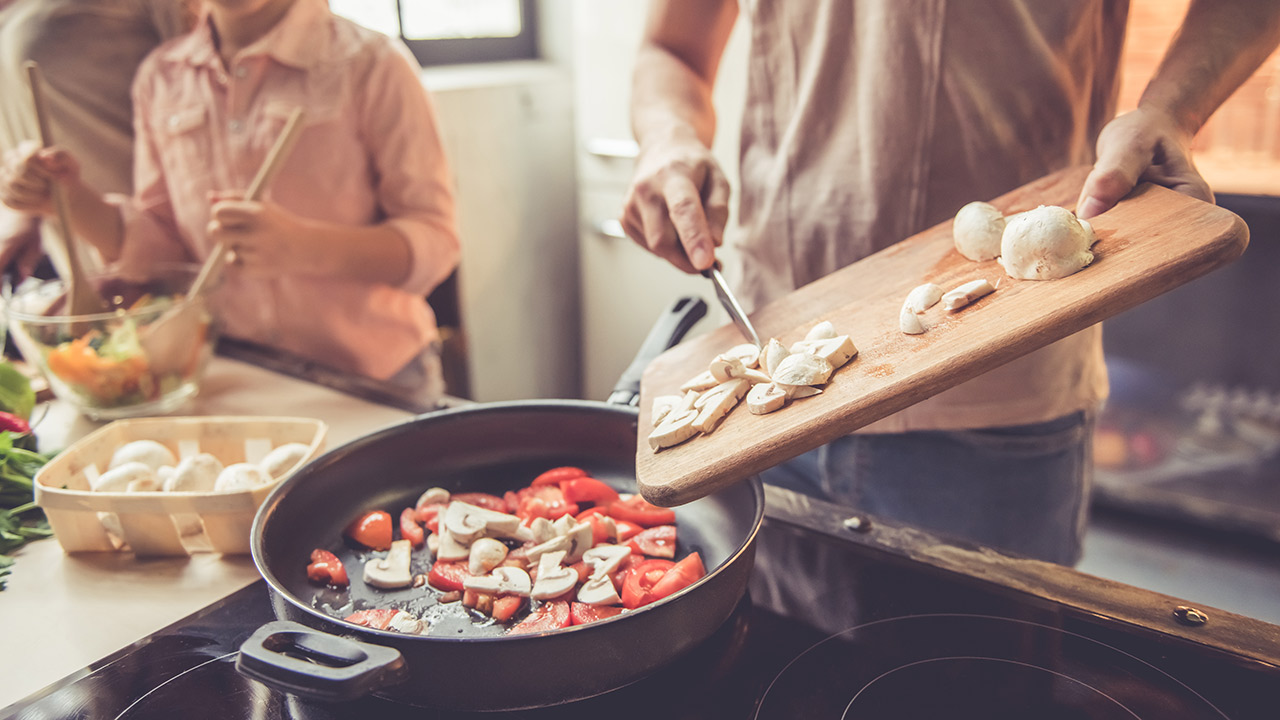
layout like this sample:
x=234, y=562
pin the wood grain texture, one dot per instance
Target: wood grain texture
x=1151, y=242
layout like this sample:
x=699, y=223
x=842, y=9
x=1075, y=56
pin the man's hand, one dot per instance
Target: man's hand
x=265, y=238
x=678, y=204
x=28, y=173
x=1140, y=146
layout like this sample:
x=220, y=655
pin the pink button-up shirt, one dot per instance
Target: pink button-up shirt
x=369, y=153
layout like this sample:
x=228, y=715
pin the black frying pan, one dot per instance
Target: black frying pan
x=489, y=448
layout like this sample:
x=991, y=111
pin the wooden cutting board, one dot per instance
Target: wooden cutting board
x=1151, y=242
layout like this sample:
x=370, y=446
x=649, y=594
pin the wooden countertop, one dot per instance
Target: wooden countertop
x=67, y=611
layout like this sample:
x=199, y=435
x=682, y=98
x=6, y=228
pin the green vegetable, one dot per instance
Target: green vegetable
x=16, y=395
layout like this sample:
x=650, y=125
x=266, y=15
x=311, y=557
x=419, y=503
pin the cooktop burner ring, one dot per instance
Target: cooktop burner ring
x=926, y=664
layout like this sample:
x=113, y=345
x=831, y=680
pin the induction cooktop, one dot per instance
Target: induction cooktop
x=845, y=617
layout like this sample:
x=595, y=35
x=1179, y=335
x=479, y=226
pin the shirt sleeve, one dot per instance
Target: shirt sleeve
x=413, y=183
x=150, y=229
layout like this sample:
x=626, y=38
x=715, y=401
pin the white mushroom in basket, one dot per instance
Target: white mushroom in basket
x=284, y=458
x=196, y=473
x=240, y=476
x=120, y=477
x=391, y=571
x=151, y=453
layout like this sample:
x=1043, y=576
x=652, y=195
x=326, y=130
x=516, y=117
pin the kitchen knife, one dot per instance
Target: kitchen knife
x=731, y=306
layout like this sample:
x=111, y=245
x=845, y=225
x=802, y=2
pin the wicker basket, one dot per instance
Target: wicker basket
x=165, y=523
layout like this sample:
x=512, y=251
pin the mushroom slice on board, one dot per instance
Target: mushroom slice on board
x=821, y=331
x=726, y=367
x=765, y=398
x=967, y=293
x=748, y=353
x=923, y=297
x=836, y=350
x=717, y=402
x=391, y=571
x=553, y=579
x=662, y=405
x=803, y=369
x=701, y=381
x=675, y=429
x=909, y=322
x=774, y=351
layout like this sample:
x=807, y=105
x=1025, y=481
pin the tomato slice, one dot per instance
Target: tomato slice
x=626, y=530
x=640, y=580
x=546, y=501
x=410, y=529
x=484, y=500
x=681, y=575
x=555, y=476
x=429, y=516
x=377, y=618
x=506, y=606
x=635, y=509
x=588, y=489
x=372, y=529
x=658, y=541
x=551, y=616
x=326, y=568
x=447, y=576
x=582, y=613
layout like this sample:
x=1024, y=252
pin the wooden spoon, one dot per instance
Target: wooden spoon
x=167, y=339
x=81, y=297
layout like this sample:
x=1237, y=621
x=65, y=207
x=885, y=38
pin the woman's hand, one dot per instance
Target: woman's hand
x=1144, y=145
x=28, y=174
x=265, y=238
x=678, y=204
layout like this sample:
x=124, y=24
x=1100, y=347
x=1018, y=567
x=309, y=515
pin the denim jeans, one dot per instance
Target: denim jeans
x=1021, y=489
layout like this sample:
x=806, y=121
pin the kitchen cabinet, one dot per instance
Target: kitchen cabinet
x=623, y=287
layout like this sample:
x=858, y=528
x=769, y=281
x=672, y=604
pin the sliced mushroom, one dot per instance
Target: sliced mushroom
x=836, y=350
x=765, y=398
x=923, y=297
x=407, y=623
x=505, y=579
x=542, y=530
x=821, y=331
x=733, y=387
x=701, y=381
x=580, y=540
x=391, y=571
x=485, y=555
x=605, y=559
x=802, y=369
x=967, y=293
x=553, y=579
x=559, y=543
x=662, y=405
x=675, y=429
x=450, y=550
x=466, y=522
x=774, y=351
x=433, y=496
x=725, y=367
x=599, y=590
x=800, y=392
x=718, y=403
x=748, y=353
x=909, y=322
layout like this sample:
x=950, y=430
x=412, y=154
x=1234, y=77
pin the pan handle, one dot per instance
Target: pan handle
x=671, y=327
x=294, y=658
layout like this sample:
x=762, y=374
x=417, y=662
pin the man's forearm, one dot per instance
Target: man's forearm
x=1219, y=45
x=95, y=220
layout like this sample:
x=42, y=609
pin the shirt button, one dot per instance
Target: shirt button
x=235, y=125
x=242, y=71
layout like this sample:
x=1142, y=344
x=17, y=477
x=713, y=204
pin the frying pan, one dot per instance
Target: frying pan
x=491, y=447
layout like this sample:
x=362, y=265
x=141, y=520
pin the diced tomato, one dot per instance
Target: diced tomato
x=583, y=569
x=484, y=500
x=447, y=576
x=410, y=529
x=326, y=568
x=555, y=476
x=659, y=541
x=582, y=613
x=635, y=509
x=506, y=606
x=603, y=528
x=550, y=616
x=429, y=516
x=626, y=530
x=681, y=575
x=639, y=582
x=624, y=568
x=588, y=489
x=377, y=618
x=372, y=530
x=546, y=501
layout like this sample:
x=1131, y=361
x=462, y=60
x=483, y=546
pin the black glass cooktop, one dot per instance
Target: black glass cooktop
x=837, y=623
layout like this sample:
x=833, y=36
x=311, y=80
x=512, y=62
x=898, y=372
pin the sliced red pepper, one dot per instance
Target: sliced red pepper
x=377, y=618
x=12, y=423
x=658, y=541
x=429, y=516
x=410, y=529
x=546, y=501
x=372, y=530
x=588, y=489
x=326, y=568
x=635, y=509
x=681, y=575
x=447, y=576
x=555, y=476
x=550, y=616
x=639, y=582
x=506, y=606
x=582, y=613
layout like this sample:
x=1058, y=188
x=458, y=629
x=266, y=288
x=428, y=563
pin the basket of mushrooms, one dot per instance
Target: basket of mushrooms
x=171, y=486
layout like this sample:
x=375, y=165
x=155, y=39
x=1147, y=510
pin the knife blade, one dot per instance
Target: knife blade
x=731, y=306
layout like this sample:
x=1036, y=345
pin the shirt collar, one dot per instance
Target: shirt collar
x=300, y=39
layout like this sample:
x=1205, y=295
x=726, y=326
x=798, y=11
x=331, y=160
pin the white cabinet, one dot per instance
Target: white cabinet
x=623, y=287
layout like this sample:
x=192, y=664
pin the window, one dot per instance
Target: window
x=451, y=31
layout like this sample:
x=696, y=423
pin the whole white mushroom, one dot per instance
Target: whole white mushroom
x=283, y=458
x=977, y=230
x=153, y=454
x=240, y=476
x=120, y=477
x=1045, y=244
x=197, y=473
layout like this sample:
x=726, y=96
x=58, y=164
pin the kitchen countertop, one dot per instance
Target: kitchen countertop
x=62, y=612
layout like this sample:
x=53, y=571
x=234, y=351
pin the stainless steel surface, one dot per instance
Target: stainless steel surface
x=732, y=306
